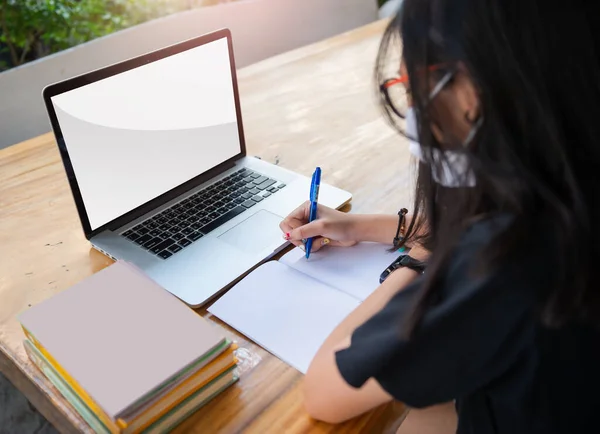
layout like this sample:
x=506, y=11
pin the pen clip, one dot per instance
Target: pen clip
x=315, y=184
x=314, y=193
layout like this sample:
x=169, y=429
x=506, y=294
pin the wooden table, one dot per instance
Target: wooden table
x=313, y=106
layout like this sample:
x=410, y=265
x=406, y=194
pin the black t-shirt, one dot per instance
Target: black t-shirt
x=482, y=345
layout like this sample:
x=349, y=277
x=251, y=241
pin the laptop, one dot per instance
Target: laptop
x=155, y=156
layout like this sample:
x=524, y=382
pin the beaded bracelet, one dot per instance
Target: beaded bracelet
x=400, y=232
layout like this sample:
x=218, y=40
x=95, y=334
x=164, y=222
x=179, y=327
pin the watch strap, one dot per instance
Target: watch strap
x=403, y=261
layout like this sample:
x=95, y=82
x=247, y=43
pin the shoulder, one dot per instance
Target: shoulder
x=535, y=228
x=504, y=246
x=482, y=229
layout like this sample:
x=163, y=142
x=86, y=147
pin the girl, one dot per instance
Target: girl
x=502, y=327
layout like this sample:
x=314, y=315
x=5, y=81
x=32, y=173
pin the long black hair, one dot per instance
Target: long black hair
x=536, y=67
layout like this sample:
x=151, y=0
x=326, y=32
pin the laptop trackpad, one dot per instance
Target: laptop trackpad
x=255, y=233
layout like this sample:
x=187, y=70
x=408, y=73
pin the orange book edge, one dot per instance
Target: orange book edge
x=174, y=404
x=116, y=427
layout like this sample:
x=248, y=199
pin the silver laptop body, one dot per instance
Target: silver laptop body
x=155, y=155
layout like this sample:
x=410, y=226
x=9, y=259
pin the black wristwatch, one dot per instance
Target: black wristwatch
x=403, y=261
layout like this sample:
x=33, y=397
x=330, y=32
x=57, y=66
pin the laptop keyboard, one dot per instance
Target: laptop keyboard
x=179, y=226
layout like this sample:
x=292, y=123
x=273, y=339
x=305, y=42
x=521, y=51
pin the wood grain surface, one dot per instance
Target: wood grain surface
x=312, y=106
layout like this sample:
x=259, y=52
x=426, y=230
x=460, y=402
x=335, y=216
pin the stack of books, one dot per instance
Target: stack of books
x=126, y=354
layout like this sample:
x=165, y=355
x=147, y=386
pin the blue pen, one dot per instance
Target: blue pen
x=314, y=197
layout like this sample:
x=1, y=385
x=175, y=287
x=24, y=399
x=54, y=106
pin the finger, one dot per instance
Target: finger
x=300, y=213
x=316, y=245
x=310, y=230
x=321, y=242
x=334, y=243
x=288, y=226
x=297, y=243
x=296, y=218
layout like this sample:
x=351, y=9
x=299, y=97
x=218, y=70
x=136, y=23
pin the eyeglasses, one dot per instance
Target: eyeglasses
x=398, y=99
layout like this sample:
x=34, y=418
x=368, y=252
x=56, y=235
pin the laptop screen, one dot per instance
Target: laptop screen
x=136, y=135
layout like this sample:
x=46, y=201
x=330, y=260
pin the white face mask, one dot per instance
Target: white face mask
x=454, y=167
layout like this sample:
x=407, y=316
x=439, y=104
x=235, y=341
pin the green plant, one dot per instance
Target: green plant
x=30, y=29
x=34, y=28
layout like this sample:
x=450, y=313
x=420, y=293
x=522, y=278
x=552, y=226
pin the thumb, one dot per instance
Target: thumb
x=310, y=230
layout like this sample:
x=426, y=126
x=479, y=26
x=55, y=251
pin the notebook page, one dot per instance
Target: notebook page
x=353, y=270
x=284, y=311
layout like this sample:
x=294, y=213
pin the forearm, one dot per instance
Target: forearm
x=373, y=304
x=378, y=228
x=327, y=395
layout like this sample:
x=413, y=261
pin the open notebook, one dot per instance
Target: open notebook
x=291, y=306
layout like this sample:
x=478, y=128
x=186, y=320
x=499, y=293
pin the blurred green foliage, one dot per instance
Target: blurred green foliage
x=30, y=29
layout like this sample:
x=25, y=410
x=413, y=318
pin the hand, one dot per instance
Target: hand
x=331, y=227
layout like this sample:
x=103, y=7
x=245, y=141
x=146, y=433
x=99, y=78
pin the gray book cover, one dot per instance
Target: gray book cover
x=120, y=335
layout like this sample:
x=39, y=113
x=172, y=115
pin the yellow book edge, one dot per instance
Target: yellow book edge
x=106, y=420
x=124, y=422
x=65, y=389
x=167, y=409
x=120, y=425
x=137, y=425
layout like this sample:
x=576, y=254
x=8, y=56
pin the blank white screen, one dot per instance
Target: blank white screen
x=136, y=135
